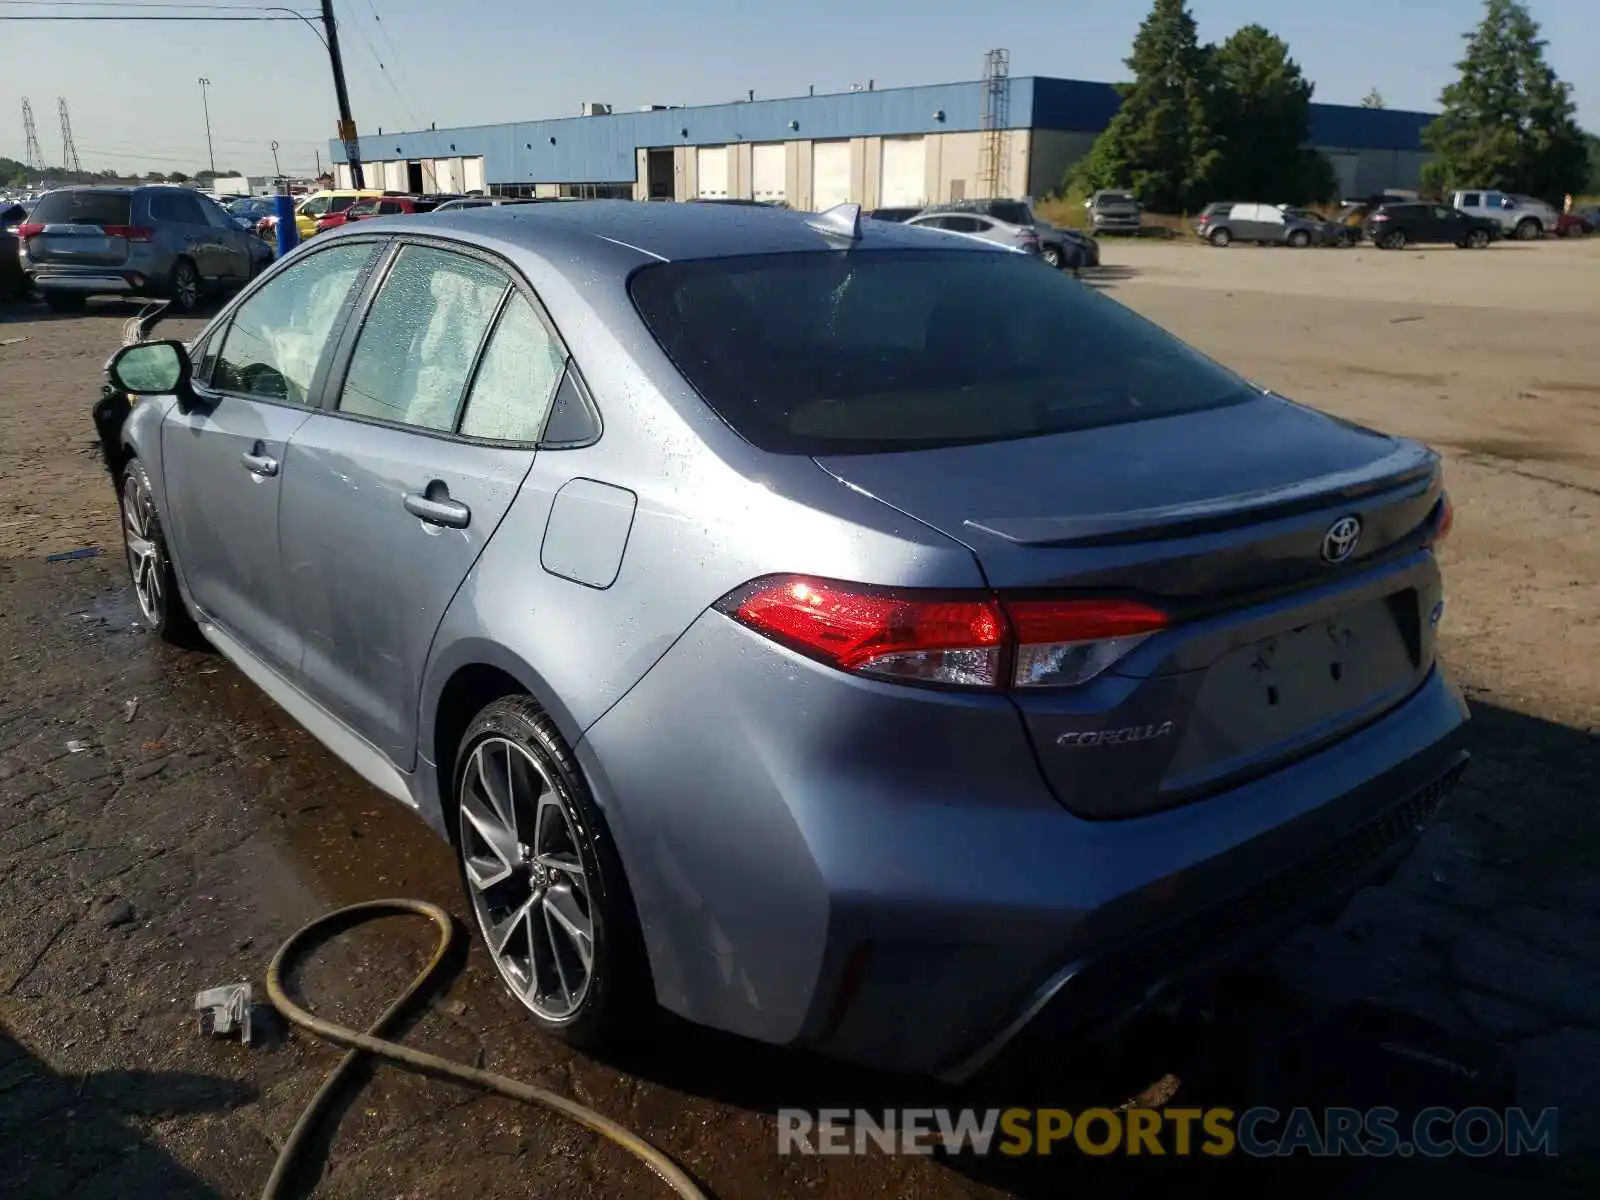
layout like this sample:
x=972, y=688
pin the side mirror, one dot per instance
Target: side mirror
x=153, y=369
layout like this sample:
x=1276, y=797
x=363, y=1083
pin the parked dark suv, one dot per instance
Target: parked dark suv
x=144, y=241
x=1395, y=226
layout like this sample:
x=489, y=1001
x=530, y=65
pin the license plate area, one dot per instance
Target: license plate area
x=1303, y=684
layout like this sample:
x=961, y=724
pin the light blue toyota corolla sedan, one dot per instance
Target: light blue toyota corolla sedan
x=840, y=634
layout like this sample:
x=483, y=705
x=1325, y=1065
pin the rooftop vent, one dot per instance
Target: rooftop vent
x=591, y=109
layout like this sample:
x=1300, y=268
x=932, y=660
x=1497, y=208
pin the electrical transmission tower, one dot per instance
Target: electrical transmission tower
x=992, y=169
x=30, y=131
x=69, y=150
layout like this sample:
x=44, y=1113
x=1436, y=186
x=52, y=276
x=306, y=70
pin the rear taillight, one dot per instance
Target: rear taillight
x=1060, y=643
x=1380, y=216
x=1442, y=521
x=29, y=229
x=133, y=233
x=948, y=639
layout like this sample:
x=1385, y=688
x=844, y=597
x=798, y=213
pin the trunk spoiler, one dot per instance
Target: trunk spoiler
x=1409, y=466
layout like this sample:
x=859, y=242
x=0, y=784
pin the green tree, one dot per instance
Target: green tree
x=1161, y=144
x=1373, y=99
x=1594, y=166
x=1262, y=107
x=1507, y=122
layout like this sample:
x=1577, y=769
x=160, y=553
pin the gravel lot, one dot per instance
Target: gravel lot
x=198, y=825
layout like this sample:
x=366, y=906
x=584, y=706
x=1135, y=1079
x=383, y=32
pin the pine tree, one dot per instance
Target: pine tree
x=1508, y=121
x=1263, y=111
x=1373, y=99
x=1161, y=144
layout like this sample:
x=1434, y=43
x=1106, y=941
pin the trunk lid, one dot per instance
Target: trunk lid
x=1283, y=638
x=86, y=228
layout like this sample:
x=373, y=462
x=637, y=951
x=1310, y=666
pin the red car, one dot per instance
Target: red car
x=384, y=206
x=1574, y=225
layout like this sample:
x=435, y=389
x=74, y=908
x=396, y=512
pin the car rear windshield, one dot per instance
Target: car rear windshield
x=83, y=208
x=867, y=352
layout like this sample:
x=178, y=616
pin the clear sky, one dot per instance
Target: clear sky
x=135, y=102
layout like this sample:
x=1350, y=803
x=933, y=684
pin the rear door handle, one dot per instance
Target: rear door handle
x=260, y=465
x=438, y=511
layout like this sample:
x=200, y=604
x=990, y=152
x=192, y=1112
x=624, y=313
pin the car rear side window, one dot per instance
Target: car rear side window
x=839, y=353
x=1011, y=214
x=421, y=337
x=178, y=207
x=517, y=378
x=83, y=208
x=340, y=203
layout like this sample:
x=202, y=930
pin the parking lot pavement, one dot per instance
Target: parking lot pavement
x=163, y=827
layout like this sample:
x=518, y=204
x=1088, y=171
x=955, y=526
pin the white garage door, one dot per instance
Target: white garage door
x=372, y=174
x=711, y=172
x=767, y=172
x=472, y=172
x=905, y=172
x=447, y=174
x=395, y=176
x=830, y=174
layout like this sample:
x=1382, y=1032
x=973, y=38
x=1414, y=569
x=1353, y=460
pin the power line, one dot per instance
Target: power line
x=124, y=17
x=394, y=54
x=384, y=72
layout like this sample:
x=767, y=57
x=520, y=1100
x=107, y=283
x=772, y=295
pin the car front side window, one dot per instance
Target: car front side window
x=421, y=337
x=278, y=335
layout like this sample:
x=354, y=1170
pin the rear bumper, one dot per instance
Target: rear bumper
x=85, y=282
x=881, y=874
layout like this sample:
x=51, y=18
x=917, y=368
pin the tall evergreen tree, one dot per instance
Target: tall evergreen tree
x=1508, y=121
x=1161, y=144
x=1263, y=111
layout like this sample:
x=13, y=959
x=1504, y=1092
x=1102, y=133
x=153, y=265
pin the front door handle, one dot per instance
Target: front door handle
x=260, y=465
x=436, y=508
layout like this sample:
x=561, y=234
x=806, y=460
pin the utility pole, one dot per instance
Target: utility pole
x=206, y=108
x=318, y=153
x=347, y=123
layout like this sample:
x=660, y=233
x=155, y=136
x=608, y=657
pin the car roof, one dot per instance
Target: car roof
x=665, y=232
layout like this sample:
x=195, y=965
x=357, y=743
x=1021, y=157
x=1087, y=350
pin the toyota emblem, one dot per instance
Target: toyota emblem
x=1339, y=543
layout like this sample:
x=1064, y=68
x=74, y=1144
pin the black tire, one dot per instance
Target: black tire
x=1477, y=239
x=1529, y=230
x=1395, y=241
x=184, y=287
x=1220, y=238
x=1051, y=256
x=155, y=584
x=1299, y=239
x=619, y=998
x=65, y=302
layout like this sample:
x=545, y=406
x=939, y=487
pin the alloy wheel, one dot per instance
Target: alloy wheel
x=144, y=550
x=530, y=892
x=185, y=286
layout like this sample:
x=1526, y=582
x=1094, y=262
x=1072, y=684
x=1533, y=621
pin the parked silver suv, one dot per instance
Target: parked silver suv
x=1114, y=212
x=143, y=241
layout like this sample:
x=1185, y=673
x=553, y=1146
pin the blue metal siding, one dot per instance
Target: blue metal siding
x=1074, y=105
x=1348, y=127
x=601, y=149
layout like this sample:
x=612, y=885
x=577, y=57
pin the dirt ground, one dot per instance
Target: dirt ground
x=194, y=826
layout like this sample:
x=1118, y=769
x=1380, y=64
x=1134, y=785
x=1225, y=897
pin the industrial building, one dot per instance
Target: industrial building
x=998, y=136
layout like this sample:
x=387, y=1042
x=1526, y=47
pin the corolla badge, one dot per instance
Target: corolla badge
x=1115, y=737
x=1339, y=543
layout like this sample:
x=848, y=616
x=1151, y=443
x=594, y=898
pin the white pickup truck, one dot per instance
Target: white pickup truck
x=1520, y=216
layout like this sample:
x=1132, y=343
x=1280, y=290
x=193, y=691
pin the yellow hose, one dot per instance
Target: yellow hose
x=373, y=1042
